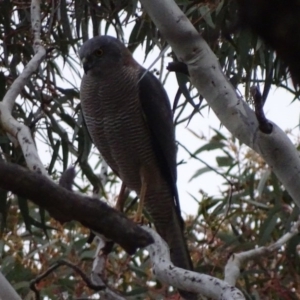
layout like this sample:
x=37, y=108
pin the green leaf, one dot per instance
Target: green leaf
x=65, y=150
x=2, y=85
x=200, y=172
x=206, y=14
x=224, y=161
x=3, y=209
x=268, y=226
x=23, y=205
x=21, y=285
x=213, y=145
x=228, y=239
x=54, y=156
x=141, y=272
x=18, y=273
x=138, y=34
x=87, y=255
x=182, y=81
x=219, y=7
x=137, y=291
x=65, y=20
x=262, y=182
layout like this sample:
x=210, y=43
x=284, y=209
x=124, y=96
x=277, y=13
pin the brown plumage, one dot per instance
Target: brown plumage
x=128, y=115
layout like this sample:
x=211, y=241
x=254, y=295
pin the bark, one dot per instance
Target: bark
x=66, y=205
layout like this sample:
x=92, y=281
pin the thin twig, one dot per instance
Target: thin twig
x=55, y=266
x=233, y=266
x=264, y=125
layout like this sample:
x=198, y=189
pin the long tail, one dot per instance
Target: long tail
x=169, y=225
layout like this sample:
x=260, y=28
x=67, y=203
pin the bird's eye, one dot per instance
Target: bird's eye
x=99, y=52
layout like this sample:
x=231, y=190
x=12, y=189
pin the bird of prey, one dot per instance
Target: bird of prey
x=129, y=118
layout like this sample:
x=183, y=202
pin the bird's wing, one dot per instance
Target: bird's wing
x=159, y=118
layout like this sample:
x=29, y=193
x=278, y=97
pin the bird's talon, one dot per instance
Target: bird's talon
x=139, y=220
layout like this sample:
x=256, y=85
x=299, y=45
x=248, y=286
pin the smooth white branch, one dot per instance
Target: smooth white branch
x=98, y=274
x=6, y=290
x=233, y=266
x=166, y=272
x=234, y=113
x=19, y=131
x=35, y=11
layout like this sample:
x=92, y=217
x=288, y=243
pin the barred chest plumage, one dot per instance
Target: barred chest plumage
x=114, y=119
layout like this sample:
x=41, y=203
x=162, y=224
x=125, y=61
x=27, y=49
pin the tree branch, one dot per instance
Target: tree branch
x=66, y=205
x=98, y=274
x=35, y=11
x=206, y=75
x=19, y=131
x=205, y=285
x=233, y=266
x=55, y=266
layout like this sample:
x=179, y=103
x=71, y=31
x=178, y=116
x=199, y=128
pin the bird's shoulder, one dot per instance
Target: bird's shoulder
x=159, y=118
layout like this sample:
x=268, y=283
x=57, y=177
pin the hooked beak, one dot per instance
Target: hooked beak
x=87, y=65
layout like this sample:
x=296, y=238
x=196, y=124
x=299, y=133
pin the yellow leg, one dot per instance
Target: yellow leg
x=138, y=216
x=121, y=198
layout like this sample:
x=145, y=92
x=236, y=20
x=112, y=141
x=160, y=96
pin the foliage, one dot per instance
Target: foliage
x=252, y=209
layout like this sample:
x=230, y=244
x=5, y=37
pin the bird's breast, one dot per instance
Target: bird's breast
x=115, y=121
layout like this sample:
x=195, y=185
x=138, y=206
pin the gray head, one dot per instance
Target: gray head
x=103, y=53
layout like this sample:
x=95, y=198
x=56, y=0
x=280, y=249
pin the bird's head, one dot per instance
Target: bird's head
x=103, y=53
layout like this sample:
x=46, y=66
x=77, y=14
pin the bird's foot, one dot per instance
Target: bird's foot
x=139, y=219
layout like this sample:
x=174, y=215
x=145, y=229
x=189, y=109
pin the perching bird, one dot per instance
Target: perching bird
x=128, y=115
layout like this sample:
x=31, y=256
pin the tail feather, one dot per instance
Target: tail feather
x=162, y=208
